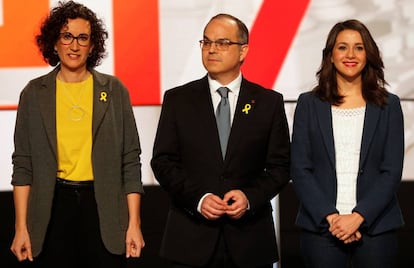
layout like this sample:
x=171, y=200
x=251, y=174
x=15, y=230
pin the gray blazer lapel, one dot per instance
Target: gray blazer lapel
x=372, y=115
x=101, y=99
x=324, y=114
x=46, y=96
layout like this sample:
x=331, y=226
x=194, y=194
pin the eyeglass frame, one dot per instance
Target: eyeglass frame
x=220, y=44
x=67, y=34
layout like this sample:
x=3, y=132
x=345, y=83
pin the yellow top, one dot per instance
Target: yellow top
x=74, y=104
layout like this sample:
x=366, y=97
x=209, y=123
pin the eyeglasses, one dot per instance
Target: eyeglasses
x=220, y=44
x=67, y=39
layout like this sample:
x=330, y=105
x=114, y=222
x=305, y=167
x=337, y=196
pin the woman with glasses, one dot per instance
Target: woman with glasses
x=76, y=163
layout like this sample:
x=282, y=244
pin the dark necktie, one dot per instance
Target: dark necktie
x=223, y=118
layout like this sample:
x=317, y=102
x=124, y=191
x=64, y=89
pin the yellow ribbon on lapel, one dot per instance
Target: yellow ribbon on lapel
x=246, y=108
x=103, y=96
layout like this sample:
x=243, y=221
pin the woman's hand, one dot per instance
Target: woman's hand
x=21, y=246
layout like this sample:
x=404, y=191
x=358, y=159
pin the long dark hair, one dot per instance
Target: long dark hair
x=373, y=81
x=58, y=17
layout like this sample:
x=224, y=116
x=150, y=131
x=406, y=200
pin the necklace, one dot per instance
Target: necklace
x=75, y=112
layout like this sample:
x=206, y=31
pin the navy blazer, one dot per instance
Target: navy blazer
x=188, y=163
x=380, y=165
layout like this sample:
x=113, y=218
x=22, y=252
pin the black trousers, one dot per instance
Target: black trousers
x=326, y=251
x=220, y=259
x=73, y=238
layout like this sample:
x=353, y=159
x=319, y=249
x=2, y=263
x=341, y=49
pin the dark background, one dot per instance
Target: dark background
x=154, y=212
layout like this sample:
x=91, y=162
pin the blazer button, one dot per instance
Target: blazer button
x=361, y=171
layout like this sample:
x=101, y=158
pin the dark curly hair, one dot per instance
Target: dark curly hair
x=373, y=81
x=58, y=18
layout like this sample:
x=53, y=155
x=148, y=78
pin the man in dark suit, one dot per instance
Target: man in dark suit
x=221, y=214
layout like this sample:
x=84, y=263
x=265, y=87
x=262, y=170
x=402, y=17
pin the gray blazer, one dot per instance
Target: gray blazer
x=115, y=155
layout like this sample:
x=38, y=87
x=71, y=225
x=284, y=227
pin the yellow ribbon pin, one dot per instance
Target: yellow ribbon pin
x=246, y=108
x=103, y=96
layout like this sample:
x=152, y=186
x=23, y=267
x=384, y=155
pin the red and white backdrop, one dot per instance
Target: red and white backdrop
x=153, y=46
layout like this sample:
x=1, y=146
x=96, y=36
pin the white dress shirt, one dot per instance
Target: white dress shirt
x=234, y=90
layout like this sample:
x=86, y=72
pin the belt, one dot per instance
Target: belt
x=74, y=184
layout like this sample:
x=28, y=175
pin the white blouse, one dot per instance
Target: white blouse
x=347, y=131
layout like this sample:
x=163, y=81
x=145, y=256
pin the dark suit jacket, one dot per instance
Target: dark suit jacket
x=380, y=165
x=188, y=163
x=115, y=155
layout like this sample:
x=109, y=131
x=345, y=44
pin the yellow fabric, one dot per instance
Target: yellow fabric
x=74, y=103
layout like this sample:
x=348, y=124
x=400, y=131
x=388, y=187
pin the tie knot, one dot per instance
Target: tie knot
x=223, y=91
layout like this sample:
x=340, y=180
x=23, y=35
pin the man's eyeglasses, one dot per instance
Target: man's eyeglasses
x=220, y=44
x=82, y=39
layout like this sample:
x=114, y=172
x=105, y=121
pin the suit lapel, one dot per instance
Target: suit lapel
x=203, y=106
x=102, y=94
x=372, y=114
x=46, y=96
x=324, y=114
x=246, y=96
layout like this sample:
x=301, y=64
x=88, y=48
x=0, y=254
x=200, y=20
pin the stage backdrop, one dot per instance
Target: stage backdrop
x=153, y=46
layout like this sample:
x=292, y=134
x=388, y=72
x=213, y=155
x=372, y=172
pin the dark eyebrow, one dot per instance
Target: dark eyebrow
x=81, y=34
x=345, y=43
x=221, y=39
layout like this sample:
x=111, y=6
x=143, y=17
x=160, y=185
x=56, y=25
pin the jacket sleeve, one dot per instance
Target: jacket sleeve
x=383, y=165
x=308, y=185
x=166, y=162
x=131, y=164
x=21, y=157
x=275, y=175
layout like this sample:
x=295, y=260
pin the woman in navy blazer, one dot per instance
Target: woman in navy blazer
x=347, y=156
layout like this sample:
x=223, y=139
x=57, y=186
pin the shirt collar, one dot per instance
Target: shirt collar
x=234, y=85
